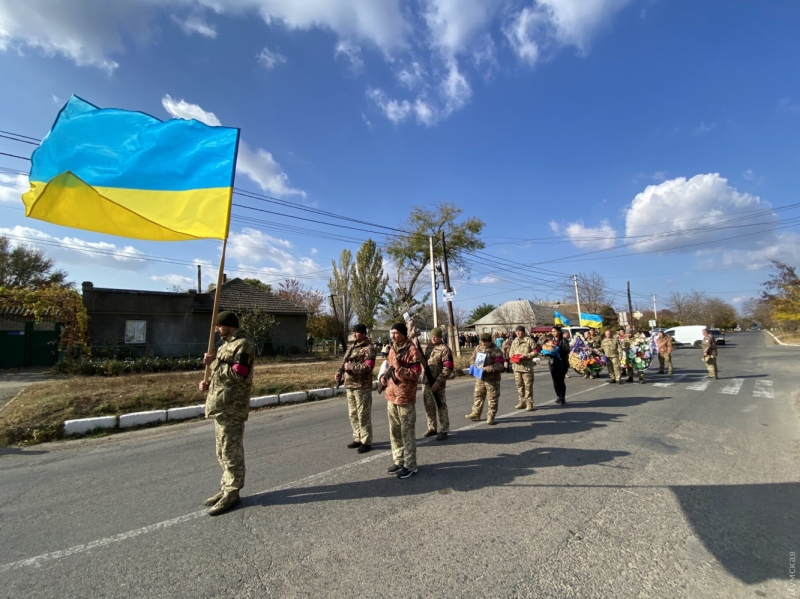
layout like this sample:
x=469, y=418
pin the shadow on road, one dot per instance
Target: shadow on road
x=445, y=477
x=20, y=451
x=750, y=529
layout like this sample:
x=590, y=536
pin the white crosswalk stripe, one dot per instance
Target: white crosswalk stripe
x=732, y=387
x=675, y=379
x=764, y=389
x=699, y=385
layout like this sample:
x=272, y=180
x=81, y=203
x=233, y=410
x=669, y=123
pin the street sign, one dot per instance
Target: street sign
x=653, y=323
x=637, y=315
x=623, y=318
x=448, y=297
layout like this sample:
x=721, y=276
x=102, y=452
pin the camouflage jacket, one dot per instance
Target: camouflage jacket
x=612, y=348
x=523, y=346
x=506, y=348
x=229, y=392
x=664, y=345
x=404, y=362
x=494, y=364
x=594, y=342
x=440, y=362
x=709, y=346
x=362, y=361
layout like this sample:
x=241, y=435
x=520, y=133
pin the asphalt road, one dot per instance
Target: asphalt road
x=685, y=488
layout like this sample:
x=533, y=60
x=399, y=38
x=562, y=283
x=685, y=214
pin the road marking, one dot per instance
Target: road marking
x=700, y=385
x=37, y=561
x=732, y=387
x=676, y=379
x=764, y=389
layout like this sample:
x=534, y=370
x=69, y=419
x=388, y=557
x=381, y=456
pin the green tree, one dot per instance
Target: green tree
x=369, y=283
x=410, y=250
x=258, y=283
x=24, y=266
x=479, y=312
x=259, y=325
x=340, y=288
x=782, y=293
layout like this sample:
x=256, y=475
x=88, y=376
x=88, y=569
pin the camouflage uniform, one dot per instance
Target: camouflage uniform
x=488, y=386
x=664, y=353
x=710, y=355
x=612, y=348
x=440, y=363
x=401, y=398
x=523, y=370
x=626, y=343
x=358, y=384
x=228, y=403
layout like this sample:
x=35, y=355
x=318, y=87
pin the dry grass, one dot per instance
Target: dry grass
x=36, y=414
x=789, y=337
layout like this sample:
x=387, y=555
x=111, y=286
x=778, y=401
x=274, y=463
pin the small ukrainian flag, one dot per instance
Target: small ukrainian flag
x=591, y=320
x=560, y=319
x=127, y=173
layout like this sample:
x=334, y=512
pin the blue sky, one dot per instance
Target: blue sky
x=568, y=126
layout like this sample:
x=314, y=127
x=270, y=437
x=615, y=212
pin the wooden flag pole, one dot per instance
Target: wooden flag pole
x=217, y=294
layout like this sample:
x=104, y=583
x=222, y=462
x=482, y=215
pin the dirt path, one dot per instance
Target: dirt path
x=12, y=382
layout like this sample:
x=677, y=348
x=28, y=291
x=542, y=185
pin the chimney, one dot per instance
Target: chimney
x=224, y=278
x=199, y=279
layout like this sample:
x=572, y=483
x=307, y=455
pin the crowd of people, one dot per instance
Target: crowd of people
x=625, y=354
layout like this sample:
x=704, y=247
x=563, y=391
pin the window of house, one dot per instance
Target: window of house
x=135, y=331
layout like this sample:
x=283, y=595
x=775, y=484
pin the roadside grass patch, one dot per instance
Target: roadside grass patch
x=38, y=411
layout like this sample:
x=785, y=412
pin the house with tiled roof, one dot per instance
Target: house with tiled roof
x=509, y=315
x=165, y=323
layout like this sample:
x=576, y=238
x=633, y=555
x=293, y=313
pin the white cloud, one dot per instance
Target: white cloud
x=181, y=109
x=705, y=128
x=258, y=165
x=455, y=89
x=782, y=246
x=749, y=175
x=195, y=23
x=546, y=23
x=395, y=110
x=269, y=59
x=263, y=169
x=351, y=53
x=453, y=24
x=176, y=280
x=488, y=280
x=684, y=205
x=255, y=250
x=596, y=238
x=412, y=75
x=12, y=187
x=659, y=175
x=72, y=250
x=785, y=105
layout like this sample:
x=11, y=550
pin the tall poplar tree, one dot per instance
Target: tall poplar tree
x=369, y=283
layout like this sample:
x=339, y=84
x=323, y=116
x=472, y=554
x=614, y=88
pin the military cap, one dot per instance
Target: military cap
x=227, y=319
x=401, y=328
x=360, y=328
x=436, y=332
x=486, y=337
x=520, y=328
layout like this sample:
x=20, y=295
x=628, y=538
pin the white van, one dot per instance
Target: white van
x=689, y=335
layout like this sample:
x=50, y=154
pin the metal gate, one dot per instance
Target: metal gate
x=25, y=343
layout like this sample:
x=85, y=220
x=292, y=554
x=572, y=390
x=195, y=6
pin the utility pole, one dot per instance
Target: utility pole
x=199, y=280
x=577, y=298
x=655, y=310
x=434, y=300
x=452, y=333
x=630, y=305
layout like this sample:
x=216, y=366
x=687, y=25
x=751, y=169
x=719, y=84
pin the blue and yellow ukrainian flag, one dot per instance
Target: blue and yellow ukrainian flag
x=127, y=173
x=591, y=320
x=560, y=318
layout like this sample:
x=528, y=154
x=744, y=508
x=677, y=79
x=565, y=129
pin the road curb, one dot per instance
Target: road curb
x=81, y=426
x=779, y=342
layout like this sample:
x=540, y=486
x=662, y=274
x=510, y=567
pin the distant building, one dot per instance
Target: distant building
x=167, y=323
x=506, y=317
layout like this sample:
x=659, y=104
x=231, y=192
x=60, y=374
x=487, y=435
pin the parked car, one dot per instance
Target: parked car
x=718, y=336
x=737, y=328
x=691, y=335
x=754, y=327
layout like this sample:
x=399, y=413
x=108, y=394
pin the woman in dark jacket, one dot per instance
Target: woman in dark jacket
x=557, y=351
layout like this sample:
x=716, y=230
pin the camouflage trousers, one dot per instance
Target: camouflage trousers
x=432, y=410
x=711, y=365
x=359, y=403
x=524, y=382
x=230, y=452
x=402, y=434
x=664, y=360
x=486, y=390
x=614, y=370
